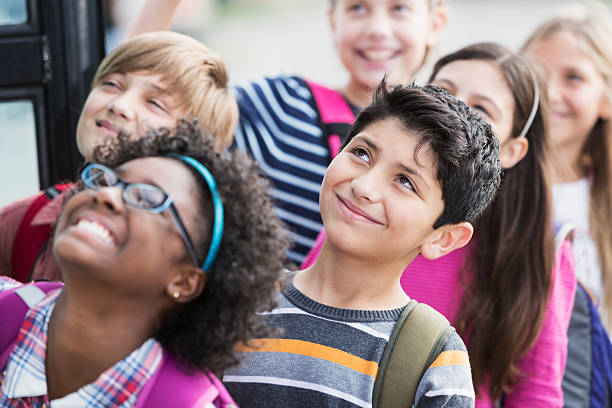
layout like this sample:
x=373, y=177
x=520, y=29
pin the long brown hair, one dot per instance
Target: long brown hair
x=503, y=306
x=592, y=27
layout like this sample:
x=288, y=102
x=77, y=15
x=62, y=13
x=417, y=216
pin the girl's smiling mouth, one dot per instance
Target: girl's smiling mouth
x=96, y=229
x=378, y=55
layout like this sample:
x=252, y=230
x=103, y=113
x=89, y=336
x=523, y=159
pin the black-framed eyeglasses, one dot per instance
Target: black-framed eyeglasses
x=138, y=195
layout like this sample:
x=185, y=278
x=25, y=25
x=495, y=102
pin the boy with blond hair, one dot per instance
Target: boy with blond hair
x=148, y=82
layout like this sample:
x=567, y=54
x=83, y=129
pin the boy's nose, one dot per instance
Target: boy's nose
x=121, y=106
x=366, y=187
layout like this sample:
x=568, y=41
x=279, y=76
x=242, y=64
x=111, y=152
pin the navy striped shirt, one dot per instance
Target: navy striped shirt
x=281, y=128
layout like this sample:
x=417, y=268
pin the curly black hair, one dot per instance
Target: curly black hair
x=466, y=148
x=252, y=255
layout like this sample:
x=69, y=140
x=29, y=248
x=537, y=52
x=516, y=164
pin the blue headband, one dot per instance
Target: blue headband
x=217, y=231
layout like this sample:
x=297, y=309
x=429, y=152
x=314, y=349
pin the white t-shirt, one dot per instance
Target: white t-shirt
x=571, y=204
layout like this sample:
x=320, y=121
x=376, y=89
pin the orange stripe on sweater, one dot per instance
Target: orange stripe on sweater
x=309, y=349
x=451, y=357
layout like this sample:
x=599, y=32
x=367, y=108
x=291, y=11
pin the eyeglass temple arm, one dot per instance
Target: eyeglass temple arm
x=183, y=232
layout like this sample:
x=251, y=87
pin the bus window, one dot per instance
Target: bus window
x=13, y=12
x=18, y=152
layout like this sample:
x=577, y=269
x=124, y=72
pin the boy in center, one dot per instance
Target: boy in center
x=417, y=167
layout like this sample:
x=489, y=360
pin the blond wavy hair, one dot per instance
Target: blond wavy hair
x=196, y=76
x=591, y=25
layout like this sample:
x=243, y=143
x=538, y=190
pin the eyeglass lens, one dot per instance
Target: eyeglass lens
x=138, y=195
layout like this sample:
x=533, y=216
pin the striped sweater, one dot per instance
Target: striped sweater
x=440, y=284
x=328, y=357
x=281, y=128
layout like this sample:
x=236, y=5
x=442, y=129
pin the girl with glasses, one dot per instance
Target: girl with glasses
x=164, y=268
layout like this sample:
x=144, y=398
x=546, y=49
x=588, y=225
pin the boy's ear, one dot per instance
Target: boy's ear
x=186, y=284
x=439, y=14
x=446, y=239
x=512, y=151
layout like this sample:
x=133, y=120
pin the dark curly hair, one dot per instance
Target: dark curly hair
x=241, y=282
x=464, y=144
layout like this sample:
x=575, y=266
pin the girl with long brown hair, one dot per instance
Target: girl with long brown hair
x=575, y=49
x=506, y=292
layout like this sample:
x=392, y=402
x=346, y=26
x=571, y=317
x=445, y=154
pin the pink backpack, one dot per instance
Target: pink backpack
x=170, y=386
x=335, y=113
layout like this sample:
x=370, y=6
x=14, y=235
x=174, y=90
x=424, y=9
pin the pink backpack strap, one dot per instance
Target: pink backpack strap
x=172, y=386
x=335, y=113
x=314, y=252
x=13, y=308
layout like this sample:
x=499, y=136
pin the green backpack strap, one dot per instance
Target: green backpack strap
x=415, y=342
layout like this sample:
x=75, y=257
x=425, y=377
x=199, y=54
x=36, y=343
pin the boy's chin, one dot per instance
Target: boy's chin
x=351, y=245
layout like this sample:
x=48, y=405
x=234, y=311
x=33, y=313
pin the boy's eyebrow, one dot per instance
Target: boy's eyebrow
x=367, y=141
x=414, y=172
x=402, y=167
x=150, y=84
x=158, y=88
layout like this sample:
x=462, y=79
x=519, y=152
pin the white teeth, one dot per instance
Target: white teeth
x=96, y=229
x=378, y=56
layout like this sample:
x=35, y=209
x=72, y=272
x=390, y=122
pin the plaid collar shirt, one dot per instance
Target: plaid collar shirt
x=23, y=382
